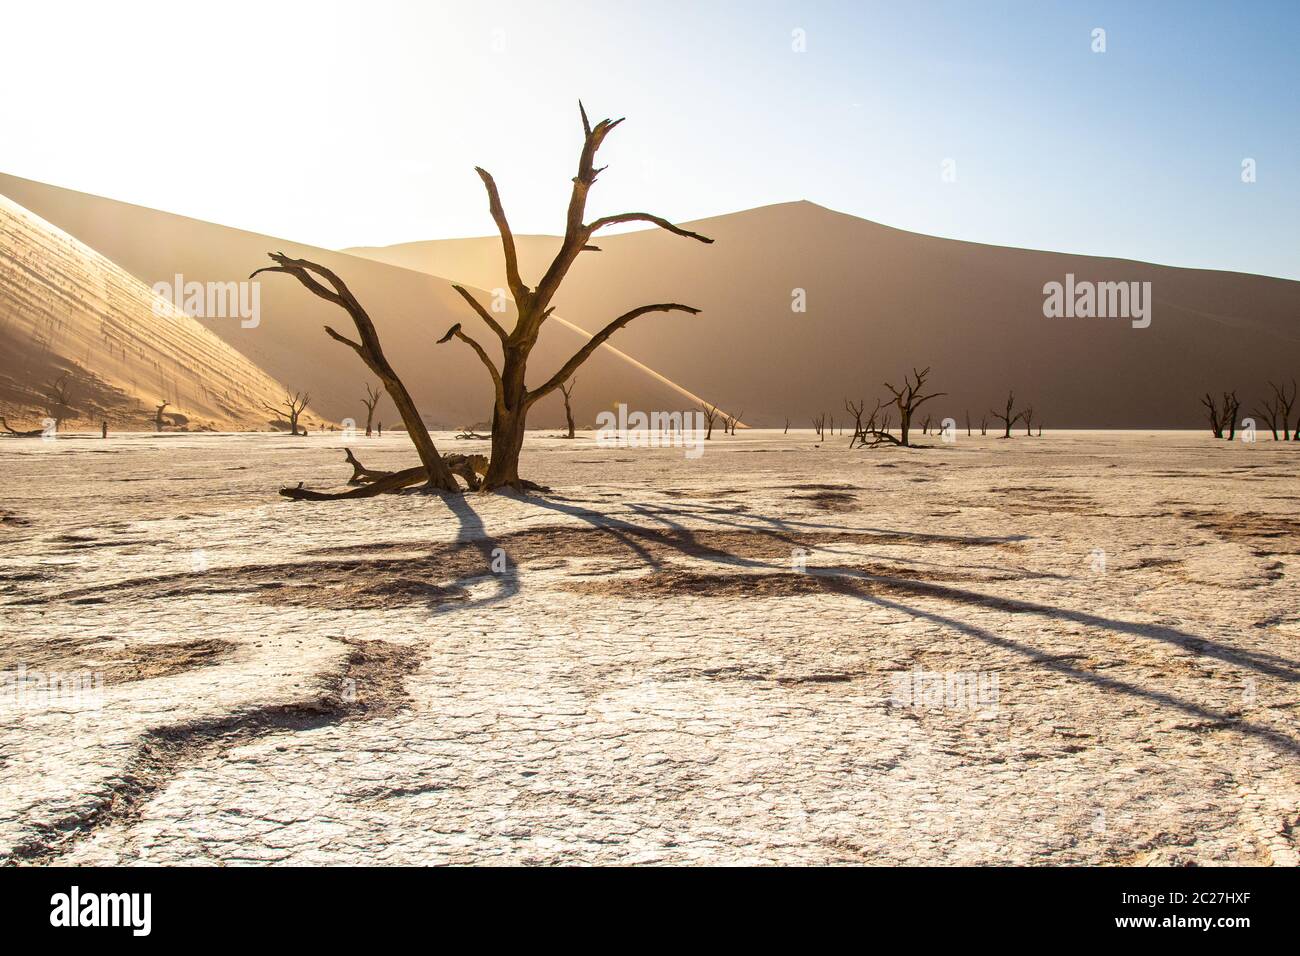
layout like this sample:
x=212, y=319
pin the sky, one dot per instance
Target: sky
x=341, y=124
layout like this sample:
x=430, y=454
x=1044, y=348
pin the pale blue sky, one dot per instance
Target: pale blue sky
x=343, y=124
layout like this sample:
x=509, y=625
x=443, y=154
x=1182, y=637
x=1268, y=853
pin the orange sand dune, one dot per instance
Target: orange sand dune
x=410, y=309
x=66, y=309
x=882, y=300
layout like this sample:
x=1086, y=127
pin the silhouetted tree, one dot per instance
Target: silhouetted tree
x=567, y=391
x=908, y=398
x=373, y=395
x=1009, y=417
x=290, y=409
x=710, y=416
x=513, y=398
x=58, y=399
x=158, y=416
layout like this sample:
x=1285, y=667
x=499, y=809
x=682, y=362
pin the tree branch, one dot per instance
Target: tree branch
x=455, y=331
x=645, y=217
x=597, y=341
x=517, y=287
x=483, y=313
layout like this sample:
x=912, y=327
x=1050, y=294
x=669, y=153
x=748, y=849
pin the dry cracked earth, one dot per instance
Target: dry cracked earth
x=1080, y=648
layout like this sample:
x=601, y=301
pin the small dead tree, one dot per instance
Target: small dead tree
x=1009, y=417
x=908, y=398
x=710, y=416
x=513, y=398
x=1224, y=418
x=373, y=395
x=984, y=425
x=736, y=420
x=968, y=423
x=567, y=391
x=925, y=426
x=819, y=425
x=1284, y=402
x=1029, y=421
x=289, y=410
x=1230, y=409
x=58, y=400
x=433, y=470
x=856, y=411
x=787, y=427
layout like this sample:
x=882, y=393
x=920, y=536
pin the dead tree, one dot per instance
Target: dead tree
x=567, y=392
x=819, y=424
x=58, y=395
x=787, y=427
x=435, y=473
x=513, y=398
x=710, y=416
x=158, y=416
x=734, y=421
x=1230, y=409
x=289, y=410
x=968, y=423
x=1009, y=417
x=856, y=411
x=1284, y=403
x=1029, y=421
x=1222, y=418
x=726, y=423
x=1267, y=410
x=925, y=426
x=907, y=399
x=373, y=395
x=984, y=425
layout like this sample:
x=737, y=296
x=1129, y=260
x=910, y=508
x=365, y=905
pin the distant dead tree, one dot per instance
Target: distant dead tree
x=58, y=399
x=567, y=391
x=984, y=425
x=1009, y=417
x=710, y=416
x=735, y=420
x=433, y=471
x=787, y=427
x=158, y=416
x=856, y=411
x=1029, y=421
x=289, y=410
x=925, y=426
x=373, y=395
x=907, y=399
x=819, y=425
x=1230, y=409
x=512, y=398
x=1277, y=411
x=1224, y=418
x=968, y=423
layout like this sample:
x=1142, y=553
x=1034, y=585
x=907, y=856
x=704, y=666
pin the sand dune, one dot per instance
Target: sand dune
x=67, y=310
x=410, y=309
x=881, y=300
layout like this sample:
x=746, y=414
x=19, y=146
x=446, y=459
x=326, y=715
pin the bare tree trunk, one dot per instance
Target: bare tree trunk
x=567, y=392
x=533, y=305
x=1010, y=416
x=373, y=395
